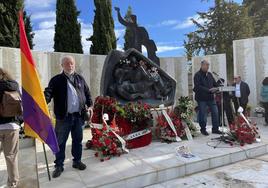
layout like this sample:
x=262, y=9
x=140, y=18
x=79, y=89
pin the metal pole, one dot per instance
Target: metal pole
x=45, y=153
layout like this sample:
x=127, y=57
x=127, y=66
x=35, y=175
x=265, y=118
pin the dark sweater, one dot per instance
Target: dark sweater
x=57, y=89
x=202, y=83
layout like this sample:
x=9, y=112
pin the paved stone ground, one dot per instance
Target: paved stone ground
x=250, y=173
x=27, y=169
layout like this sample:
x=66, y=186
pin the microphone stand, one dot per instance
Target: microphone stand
x=222, y=137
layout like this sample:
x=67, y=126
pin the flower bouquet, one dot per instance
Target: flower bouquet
x=166, y=133
x=243, y=132
x=184, y=110
x=106, y=143
x=132, y=120
x=103, y=105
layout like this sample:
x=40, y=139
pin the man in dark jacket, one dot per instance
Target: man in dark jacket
x=71, y=98
x=241, y=93
x=204, y=87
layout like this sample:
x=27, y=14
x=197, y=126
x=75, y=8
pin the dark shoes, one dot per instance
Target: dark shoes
x=79, y=166
x=57, y=172
x=216, y=132
x=204, y=133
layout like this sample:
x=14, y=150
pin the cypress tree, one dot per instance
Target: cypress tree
x=28, y=29
x=67, y=36
x=9, y=30
x=103, y=38
x=128, y=34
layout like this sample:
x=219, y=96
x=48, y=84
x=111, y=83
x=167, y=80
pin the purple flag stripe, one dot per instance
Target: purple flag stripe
x=38, y=121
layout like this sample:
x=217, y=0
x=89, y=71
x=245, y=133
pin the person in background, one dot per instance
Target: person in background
x=204, y=87
x=9, y=129
x=241, y=93
x=72, y=99
x=264, y=98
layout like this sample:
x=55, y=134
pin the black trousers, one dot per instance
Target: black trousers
x=227, y=109
x=265, y=106
x=238, y=103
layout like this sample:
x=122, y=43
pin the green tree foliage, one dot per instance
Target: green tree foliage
x=67, y=29
x=223, y=23
x=28, y=29
x=9, y=30
x=128, y=34
x=258, y=11
x=103, y=38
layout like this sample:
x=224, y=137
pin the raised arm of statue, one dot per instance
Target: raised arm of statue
x=120, y=19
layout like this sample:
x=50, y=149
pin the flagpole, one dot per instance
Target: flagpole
x=45, y=153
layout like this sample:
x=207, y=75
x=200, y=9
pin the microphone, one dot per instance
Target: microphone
x=216, y=74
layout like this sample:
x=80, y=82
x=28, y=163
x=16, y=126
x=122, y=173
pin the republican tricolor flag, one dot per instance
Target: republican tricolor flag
x=36, y=116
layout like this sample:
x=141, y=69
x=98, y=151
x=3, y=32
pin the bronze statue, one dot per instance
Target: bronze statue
x=139, y=37
x=129, y=76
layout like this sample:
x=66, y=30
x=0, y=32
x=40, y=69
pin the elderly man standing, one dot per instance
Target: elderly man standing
x=72, y=99
x=204, y=87
x=241, y=93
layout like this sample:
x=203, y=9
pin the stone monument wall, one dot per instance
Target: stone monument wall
x=251, y=63
x=90, y=66
x=217, y=65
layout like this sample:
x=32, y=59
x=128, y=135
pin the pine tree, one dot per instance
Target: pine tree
x=223, y=23
x=9, y=30
x=258, y=11
x=67, y=29
x=103, y=38
x=128, y=34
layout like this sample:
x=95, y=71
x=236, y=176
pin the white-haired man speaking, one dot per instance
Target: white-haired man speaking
x=72, y=98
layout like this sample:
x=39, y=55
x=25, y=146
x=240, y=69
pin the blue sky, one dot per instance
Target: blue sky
x=167, y=21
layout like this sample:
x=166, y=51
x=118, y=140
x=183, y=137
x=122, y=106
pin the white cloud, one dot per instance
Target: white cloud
x=43, y=15
x=86, y=32
x=119, y=32
x=161, y=49
x=47, y=24
x=168, y=22
x=39, y=3
x=188, y=22
x=119, y=47
x=44, y=39
x=178, y=24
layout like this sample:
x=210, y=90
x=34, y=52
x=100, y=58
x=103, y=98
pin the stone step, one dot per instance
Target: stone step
x=150, y=165
x=26, y=143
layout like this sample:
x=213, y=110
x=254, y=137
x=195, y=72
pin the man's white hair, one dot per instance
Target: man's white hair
x=64, y=58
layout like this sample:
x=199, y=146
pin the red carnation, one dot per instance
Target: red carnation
x=107, y=141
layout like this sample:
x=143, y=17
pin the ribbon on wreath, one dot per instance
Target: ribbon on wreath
x=187, y=131
x=137, y=134
x=105, y=118
x=170, y=123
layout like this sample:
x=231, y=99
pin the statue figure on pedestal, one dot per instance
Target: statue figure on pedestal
x=139, y=37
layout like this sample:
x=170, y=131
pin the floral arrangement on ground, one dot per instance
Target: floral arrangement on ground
x=124, y=120
x=180, y=116
x=243, y=132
